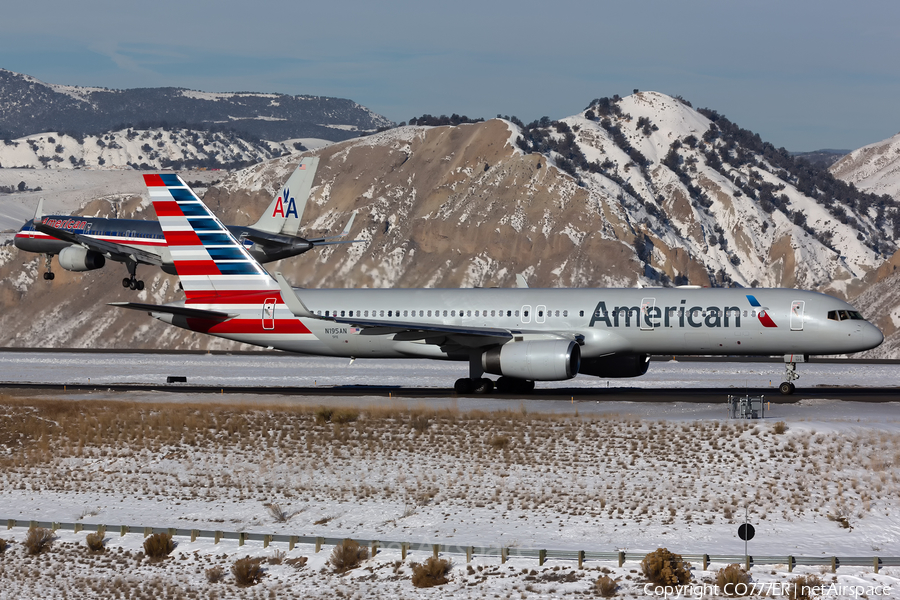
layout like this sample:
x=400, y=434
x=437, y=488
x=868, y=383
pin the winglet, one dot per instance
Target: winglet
x=291, y=300
x=349, y=224
x=39, y=212
x=520, y=281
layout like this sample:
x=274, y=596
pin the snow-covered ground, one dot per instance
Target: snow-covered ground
x=591, y=476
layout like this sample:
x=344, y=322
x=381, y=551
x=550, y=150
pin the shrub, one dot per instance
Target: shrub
x=96, y=541
x=780, y=427
x=38, y=539
x=733, y=580
x=3, y=545
x=297, y=563
x=431, y=573
x=215, y=574
x=158, y=546
x=347, y=555
x=665, y=568
x=247, y=571
x=323, y=414
x=279, y=514
x=499, y=442
x=277, y=558
x=342, y=417
x=802, y=587
x=606, y=586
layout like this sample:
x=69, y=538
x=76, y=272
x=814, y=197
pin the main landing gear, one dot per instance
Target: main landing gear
x=132, y=282
x=475, y=383
x=787, y=386
x=49, y=275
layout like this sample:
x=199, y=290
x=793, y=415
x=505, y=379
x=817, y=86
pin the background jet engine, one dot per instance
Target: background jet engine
x=619, y=365
x=76, y=258
x=550, y=360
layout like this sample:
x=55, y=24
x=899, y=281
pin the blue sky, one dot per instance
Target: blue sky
x=804, y=75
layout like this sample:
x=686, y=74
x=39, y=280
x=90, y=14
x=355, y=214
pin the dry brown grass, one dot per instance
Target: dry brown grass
x=432, y=572
x=802, y=587
x=38, y=539
x=3, y=545
x=733, y=580
x=96, y=542
x=662, y=567
x=247, y=571
x=347, y=555
x=215, y=574
x=606, y=586
x=158, y=546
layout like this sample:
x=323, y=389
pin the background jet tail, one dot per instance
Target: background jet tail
x=284, y=213
x=208, y=259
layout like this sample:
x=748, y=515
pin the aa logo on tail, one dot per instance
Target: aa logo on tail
x=285, y=208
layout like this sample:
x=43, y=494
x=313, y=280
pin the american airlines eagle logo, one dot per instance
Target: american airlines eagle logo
x=285, y=208
x=763, y=315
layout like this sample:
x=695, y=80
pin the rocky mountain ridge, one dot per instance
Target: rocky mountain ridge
x=641, y=190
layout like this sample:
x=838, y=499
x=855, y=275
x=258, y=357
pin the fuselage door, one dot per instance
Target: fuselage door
x=647, y=304
x=797, y=307
x=268, y=314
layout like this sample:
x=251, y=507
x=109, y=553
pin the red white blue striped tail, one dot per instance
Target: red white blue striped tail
x=208, y=259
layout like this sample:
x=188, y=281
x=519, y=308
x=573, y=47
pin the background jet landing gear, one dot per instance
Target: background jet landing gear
x=49, y=275
x=132, y=282
x=790, y=375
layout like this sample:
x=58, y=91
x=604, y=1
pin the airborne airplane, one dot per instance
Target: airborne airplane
x=84, y=243
x=523, y=335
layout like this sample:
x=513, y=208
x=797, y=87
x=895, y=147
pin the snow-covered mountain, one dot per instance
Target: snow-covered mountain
x=642, y=190
x=176, y=149
x=29, y=106
x=874, y=168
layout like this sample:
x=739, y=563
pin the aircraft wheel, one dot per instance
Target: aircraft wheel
x=483, y=386
x=504, y=385
x=51, y=275
x=787, y=388
x=46, y=276
x=463, y=386
x=140, y=285
x=126, y=282
x=132, y=284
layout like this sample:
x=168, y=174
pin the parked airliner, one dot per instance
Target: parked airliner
x=523, y=334
x=84, y=243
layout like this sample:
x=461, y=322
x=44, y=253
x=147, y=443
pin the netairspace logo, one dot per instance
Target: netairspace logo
x=773, y=588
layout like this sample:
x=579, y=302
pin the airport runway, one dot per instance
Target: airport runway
x=283, y=378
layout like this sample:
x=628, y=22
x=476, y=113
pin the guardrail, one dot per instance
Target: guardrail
x=542, y=555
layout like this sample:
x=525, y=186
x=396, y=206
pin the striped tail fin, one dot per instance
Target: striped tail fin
x=208, y=259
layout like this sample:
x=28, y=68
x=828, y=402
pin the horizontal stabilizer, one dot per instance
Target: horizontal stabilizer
x=181, y=311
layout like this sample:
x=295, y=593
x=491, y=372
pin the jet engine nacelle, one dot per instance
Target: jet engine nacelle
x=619, y=365
x=543, y=360
x=76, y=258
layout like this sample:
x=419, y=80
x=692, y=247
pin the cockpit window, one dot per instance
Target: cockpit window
x=844, y=315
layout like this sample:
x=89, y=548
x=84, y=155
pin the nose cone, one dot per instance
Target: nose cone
x=872, y=336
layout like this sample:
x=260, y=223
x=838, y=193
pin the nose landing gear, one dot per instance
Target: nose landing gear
x=49, y=275
x=787, y=386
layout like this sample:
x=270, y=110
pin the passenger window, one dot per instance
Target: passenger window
x=565, y=313
x=342, y=313
x=525, y=313
x=452, y=313
x=580, y=313
x=382, y=313
x=540, y=313
x=429, y=313
x=509, y=313
x=492, y=313
x=319, y=312
x=517, y=312
x=468, y=313
x=327, y=313
x=445, y=313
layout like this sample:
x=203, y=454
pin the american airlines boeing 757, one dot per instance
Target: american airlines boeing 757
x=522, y=335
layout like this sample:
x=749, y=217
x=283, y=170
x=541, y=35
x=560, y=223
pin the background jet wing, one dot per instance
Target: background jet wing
x=118, y=252
x=182, y=311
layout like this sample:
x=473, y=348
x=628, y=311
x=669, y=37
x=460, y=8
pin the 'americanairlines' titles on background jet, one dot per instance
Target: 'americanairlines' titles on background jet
x=85, y=243
x=522, y=334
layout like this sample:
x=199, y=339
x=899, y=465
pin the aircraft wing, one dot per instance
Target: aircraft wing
x=181, y=311
x=113, y=251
